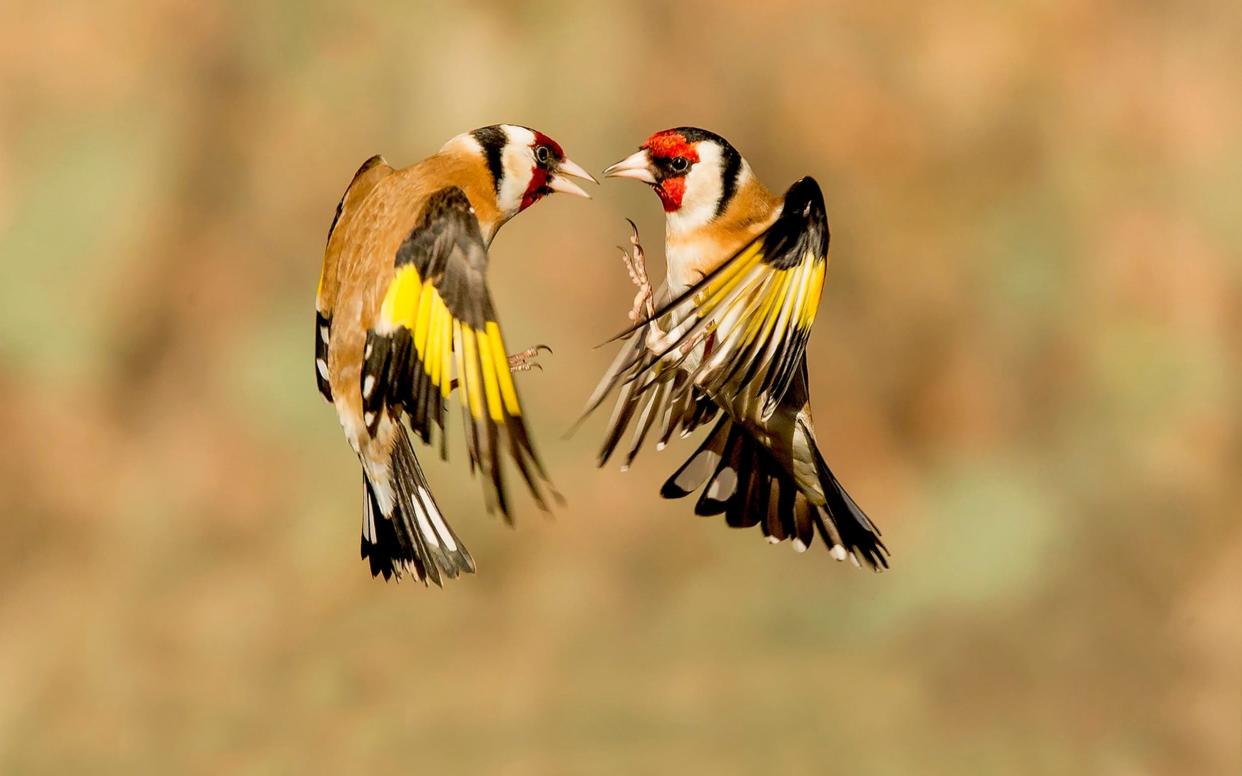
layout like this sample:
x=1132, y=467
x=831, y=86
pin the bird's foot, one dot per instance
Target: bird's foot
x=525, y=360
x=636, y=265
x=693, y=342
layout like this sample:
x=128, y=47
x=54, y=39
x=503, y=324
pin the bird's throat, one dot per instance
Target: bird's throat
x=671, y=192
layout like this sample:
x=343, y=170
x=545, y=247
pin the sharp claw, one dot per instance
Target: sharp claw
x=523, y=361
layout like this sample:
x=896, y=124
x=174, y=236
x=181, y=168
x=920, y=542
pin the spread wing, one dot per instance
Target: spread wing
x=436, y=331
x=371, y=172
x=738, y=336
x=754, y=313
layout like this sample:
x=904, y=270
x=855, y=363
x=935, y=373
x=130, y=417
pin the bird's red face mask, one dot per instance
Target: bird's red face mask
x=548, y=171
x=663, y=162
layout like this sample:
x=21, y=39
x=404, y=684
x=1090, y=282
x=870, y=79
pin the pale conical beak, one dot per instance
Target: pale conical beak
x=558, y=181
x=636, y=166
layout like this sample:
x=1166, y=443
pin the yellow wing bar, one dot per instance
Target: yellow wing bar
x=482, y=363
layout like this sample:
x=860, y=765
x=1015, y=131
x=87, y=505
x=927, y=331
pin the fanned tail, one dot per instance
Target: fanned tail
x=742, y=480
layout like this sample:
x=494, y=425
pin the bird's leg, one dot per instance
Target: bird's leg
x=635, y=260
x=636, y=264
x=524, y=361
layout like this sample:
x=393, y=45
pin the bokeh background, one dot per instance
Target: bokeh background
x=1027, y=369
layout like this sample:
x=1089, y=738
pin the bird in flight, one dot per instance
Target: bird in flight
x=725, y=335
x=403, y=317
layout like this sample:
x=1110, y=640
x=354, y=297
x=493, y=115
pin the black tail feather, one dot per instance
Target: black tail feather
x=415, y=539
x=381, y=543
x=721, y=489
x=742, y=480
x=855, y=530
x=691, y=475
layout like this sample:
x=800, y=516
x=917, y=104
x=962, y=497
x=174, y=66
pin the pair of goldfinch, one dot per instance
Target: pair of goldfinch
x=404, y=318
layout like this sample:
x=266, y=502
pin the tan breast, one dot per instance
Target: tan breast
x=693, y=255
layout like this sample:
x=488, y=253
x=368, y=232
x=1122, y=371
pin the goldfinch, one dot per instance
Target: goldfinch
x=403, y=316
x=727, y=334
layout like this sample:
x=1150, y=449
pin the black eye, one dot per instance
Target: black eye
x=542, y=154
x=681, y=164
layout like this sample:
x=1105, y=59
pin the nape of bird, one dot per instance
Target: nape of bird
x=724, y=338
x=403, y=317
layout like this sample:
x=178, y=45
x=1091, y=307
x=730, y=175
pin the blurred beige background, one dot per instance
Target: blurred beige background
x=1026, y=368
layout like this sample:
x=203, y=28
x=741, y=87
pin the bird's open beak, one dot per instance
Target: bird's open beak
x=636, y=166
x=558, y=181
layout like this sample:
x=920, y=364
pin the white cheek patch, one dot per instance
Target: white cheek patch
x=703, y=191
x=518, y=164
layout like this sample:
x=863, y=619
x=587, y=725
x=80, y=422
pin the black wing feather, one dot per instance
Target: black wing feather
x=438, y=313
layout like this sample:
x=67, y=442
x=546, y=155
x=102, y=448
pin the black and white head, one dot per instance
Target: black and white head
x=695, y=173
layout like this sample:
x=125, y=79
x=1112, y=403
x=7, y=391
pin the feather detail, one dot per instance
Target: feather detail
x=437, y=317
